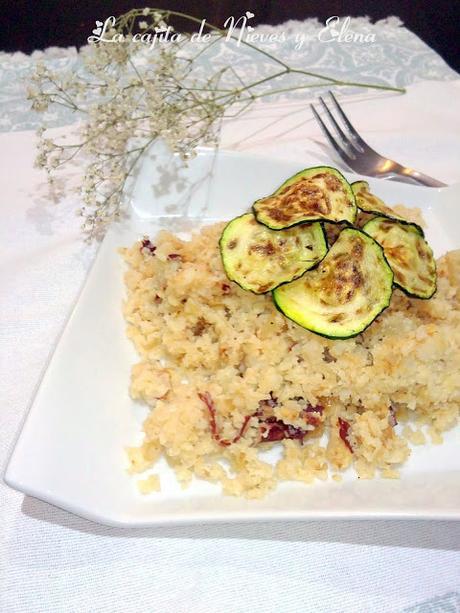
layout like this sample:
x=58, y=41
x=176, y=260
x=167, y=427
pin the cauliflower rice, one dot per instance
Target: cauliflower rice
x=227, y=376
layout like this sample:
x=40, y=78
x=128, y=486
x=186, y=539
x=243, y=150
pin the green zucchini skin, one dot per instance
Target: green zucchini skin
x=369, y=203
x=417, y=296
x=341, y=297
x=323, y=334
x=311, y=187
x=417, y=277
x=259, y=259
x=356, y=185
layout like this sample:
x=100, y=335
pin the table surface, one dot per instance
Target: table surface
x=53, y=561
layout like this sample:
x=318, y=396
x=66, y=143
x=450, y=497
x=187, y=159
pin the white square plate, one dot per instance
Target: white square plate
x=71, y=449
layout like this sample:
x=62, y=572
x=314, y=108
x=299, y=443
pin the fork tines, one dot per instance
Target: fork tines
x=349, y=142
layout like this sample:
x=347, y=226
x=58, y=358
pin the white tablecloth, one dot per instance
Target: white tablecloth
x=53, y=561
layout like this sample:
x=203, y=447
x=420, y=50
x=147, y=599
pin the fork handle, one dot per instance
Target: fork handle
x=418, y=177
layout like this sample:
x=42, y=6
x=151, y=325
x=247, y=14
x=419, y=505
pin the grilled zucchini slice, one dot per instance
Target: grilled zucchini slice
x=314, y=194
x=368, y=203
x=340, y=298
x=260, y=259
x=408, y=254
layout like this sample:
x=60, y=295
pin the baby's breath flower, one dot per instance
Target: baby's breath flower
x=40, y=103
x=128, y=97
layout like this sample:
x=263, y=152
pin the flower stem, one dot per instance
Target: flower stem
x=287, y=69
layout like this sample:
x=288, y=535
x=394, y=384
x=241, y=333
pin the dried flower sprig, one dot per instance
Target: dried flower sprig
x=127, y=99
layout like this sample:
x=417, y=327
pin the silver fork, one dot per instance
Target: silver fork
x=361, y=158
